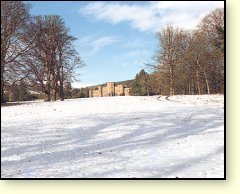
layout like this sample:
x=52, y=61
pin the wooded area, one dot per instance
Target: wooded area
x=36, y=51
x=187, y=61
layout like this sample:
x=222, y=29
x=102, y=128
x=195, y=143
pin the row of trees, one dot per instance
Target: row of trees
x=192, y=62
x=188, y=62
x=37, y=50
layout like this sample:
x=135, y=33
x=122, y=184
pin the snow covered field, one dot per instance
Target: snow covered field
x=179, y=136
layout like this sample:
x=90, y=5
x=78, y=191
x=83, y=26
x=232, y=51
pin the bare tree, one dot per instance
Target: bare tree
x=188, y=62
x=52, y=59
x=213, y=27
x=14, y=19
x=68, y=61
x=191, y=62
x=171, y=43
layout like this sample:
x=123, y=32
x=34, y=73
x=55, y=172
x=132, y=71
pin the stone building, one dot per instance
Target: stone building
x=110, y=89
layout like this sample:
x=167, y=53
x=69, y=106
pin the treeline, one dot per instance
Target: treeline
x=36, y=51
x=187, y=62
x=22, y=91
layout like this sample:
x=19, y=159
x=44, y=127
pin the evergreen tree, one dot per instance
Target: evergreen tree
x=140, y=84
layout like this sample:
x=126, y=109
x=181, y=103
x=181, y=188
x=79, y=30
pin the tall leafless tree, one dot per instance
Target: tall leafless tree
x=52, y=59
x=213, y=27
x=192, y=62
x=171, y=42
x=14, y=19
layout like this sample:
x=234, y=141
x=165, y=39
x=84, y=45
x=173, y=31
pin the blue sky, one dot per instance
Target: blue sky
x=115, y=39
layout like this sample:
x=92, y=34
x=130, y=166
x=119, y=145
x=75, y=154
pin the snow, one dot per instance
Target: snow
x=112, y=137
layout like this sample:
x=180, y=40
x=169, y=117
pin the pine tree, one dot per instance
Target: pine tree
x=140, y=84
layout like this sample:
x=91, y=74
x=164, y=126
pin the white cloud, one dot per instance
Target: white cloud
x=186, y=14
x=81, y=85
x=137, y=63
x=119, y=12
x=93, y=44
x=134, y=53
x=102, y=42
x=153, y=15
x=86, y=39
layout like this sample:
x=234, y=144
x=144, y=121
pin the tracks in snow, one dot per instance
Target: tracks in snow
x=167, y=99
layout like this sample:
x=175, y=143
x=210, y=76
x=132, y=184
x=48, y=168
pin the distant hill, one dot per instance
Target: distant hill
x=127, y=83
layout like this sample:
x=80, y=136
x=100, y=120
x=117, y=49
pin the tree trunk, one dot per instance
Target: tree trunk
x=61, y=92
x=205, y=76
x=48, y=93
x=189, y=89
x=2, y=87
x=207, y=83
x=61, y=86
x=2, y=78
x=55, y=94
x=47, y=97
x=171, y=82
x=198, y=86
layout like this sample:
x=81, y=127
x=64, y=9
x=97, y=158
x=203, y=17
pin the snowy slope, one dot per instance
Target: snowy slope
x=180, y=136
